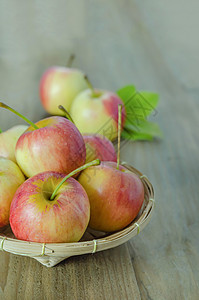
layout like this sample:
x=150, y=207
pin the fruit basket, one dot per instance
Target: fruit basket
x=92, y=241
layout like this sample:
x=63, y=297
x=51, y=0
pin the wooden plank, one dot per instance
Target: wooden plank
x=105, y=275
x=166, y=260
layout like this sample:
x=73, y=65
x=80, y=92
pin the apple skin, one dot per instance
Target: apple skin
x=97, y=115
x=8, y=140
x=33, y=217
x=98, y=146
x=59, y=86
x=56, y=146
x=115, y=196
x=11, y=178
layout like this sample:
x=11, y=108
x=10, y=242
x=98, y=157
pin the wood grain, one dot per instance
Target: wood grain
x=153, y=45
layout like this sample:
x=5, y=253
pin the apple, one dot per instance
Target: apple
x=116, y=195
x=8, y=140
x=50, y=208
x=11, y=178
x=59, y=86
x=98, y=146
x=34, y=217
x=96, y=112
x=52, y=144
x=56, y=145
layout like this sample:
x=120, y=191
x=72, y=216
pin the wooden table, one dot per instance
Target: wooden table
x=155, y=46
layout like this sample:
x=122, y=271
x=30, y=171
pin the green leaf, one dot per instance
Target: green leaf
x=126, y=93
x=134, y=136
x=142, y=130
x=139, y=105
x=152, y=98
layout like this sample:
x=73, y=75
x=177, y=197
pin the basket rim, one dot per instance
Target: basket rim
x=34, y=249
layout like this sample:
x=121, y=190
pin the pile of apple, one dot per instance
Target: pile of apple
x=56, y=176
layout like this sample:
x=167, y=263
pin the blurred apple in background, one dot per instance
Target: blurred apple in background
x=98, y=146
x=11, y=178
x=35, y=217
x=115, y=195
x=96, y=112
x=8, y=140
x=56, y=145
x=59, y=86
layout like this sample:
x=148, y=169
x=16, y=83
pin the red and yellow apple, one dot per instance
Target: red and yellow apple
x=35, y=217
x=98, y=146
x=11, y=178
x=56, y=145
x=115, y=195
x=96, y=112
x=8, y=140
x=59, y=86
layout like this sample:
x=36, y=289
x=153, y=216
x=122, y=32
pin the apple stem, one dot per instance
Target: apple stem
x=70, y=60
x=67, y=115
x=119, y=133
x=18, y=114
x=90, y=86
x=92, y=163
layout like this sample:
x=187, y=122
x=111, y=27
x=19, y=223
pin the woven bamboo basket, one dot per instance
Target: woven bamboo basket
x=92, y=241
